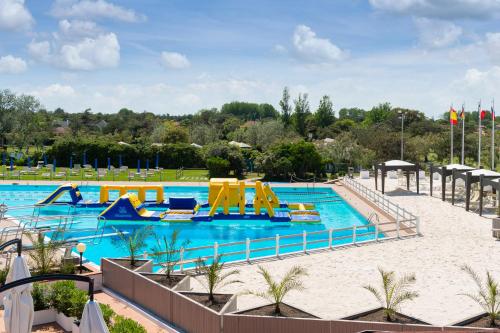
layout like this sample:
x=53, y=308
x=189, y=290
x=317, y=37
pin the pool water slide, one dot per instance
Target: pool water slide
x=128, y=207
x=70, y=188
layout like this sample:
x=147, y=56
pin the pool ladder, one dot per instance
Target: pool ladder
x=373, y=217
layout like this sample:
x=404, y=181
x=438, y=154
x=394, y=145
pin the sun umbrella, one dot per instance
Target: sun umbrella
x=18, y=304
x=92, y=320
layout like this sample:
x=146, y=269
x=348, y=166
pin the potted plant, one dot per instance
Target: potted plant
x=276, y=291
x=167, y=253
x=487, y=297
x=41, y=302
x=133, y=243
x=212, y=278
x=43, y=255
x=126, y=325
x=391, y=294
x=68, y=301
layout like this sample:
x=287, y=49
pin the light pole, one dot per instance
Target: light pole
x=402, y=115
x=81, y=247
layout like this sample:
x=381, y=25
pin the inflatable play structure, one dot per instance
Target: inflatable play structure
x=227, y=200
x=76, y=199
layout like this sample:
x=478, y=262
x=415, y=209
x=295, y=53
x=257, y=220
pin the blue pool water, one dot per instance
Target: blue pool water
x=335, y=213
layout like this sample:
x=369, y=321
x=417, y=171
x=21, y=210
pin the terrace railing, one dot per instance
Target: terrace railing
x=404, y=224
x=401, y=215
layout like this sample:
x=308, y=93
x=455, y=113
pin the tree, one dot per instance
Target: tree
x=324, y=115
x=167, y=251
x=133, y=242
x=169, y=132
x=286, y=108
x=277, y=290
x=301, y=110
x=378, y=114
x=393, y=292
x=227, y=152
x=487, y=295
x=212, y=276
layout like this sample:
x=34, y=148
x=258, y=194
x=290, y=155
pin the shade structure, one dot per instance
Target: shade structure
x=406, y=167
x=138, y=166
x=157, y=163
x=92, y=320
x=445, y=171
x=18, y=303
x=495, y=186
x=470, y=177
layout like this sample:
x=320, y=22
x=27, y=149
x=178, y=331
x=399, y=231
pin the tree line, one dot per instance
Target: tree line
x=286, y=140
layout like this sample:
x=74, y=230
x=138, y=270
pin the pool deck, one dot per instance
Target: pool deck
x=451, y=238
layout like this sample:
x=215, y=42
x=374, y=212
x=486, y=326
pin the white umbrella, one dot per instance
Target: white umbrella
x=92, y=320
x=18, y=303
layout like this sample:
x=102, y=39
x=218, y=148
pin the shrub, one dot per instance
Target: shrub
x=78, y=298
x=60, y=296
x=3, y=275
x=126, y=325
x=218, y=167
x=68, y=268
x=107, y=313
x=40, y=294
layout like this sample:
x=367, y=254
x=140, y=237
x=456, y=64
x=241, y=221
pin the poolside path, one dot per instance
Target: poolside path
x=451, y=238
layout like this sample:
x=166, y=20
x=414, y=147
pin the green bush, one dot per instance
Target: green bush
x=40, y=294
x=218, y=167
x=3, y=275
x=78, y=298
x=126, y=325
x=107, y=313
x=68, y=268
x=67, y=299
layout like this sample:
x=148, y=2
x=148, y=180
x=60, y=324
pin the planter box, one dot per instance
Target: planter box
x=144, y=265
x=495, y=227
x=44, y=317
x=359, y=317
x=230, y=306
x=285, y=307
x=65, y=322
x=470, y=322
x=183, y=285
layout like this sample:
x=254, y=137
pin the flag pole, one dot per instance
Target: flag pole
x=493, y=134
x=463, y=132
x=451, y=135
x=479, y=131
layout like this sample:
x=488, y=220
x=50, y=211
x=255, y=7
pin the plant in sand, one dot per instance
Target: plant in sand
x=487, y=295
x=393, y=292
x=277, y=290
x=167, y=251
x=213, y=277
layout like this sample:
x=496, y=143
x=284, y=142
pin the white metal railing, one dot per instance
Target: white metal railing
x=381, y=201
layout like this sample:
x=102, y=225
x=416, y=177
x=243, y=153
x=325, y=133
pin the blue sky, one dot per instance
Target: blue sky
x=180, y=56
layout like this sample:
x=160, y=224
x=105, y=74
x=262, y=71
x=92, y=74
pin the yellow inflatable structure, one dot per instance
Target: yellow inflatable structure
x=124, y=189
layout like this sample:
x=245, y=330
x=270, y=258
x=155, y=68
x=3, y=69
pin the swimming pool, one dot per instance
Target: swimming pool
x=335, y=214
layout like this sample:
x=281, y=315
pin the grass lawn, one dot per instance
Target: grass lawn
x=65, y=174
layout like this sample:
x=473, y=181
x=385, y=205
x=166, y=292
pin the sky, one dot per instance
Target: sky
x=179, y=56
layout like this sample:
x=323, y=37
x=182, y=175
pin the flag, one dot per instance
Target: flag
x=462, y=113
x=453, y=116
x=492, y=113
x=483, y=114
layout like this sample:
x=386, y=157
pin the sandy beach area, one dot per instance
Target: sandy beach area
x=451, y=238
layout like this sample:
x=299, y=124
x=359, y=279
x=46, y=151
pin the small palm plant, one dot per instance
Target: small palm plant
x=167, y=251
x=133, y=242
x=277, y=290
x=487, y=295
x=213, y=278
x=43, y=255
x=393, y=292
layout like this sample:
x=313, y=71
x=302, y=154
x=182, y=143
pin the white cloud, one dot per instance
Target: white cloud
x=78, y=28
x=39, y=50
x=12, y=65
x=445, y=9
x=94, y=9
x=492, y=46
x=314, y=49
x=14, y=15
x=174, y=60
x=278, y=48
x=102, y=51
x=54, y=90
x=437, y=33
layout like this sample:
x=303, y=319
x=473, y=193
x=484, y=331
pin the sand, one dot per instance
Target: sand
x=451, y=238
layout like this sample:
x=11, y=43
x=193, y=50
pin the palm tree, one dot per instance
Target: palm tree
x=43, y=254
x=393, y=292
x=213, y=278
x=277, y=290
x=167, y=251
x=487, y=296
x=133, y=242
